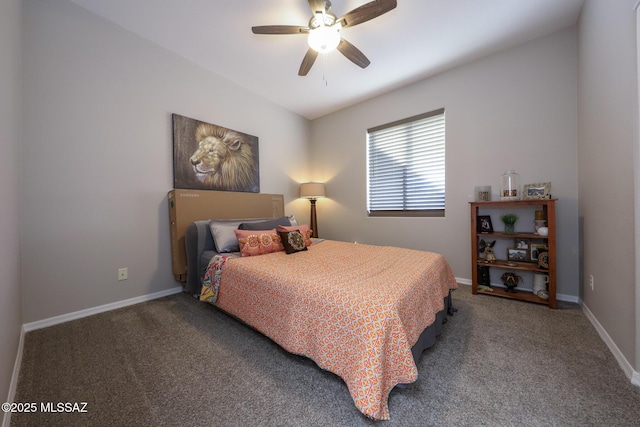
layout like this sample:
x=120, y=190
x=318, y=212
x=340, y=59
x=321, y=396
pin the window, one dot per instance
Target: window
x=405, y=167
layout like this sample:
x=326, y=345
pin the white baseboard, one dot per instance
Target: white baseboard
x=462, y=281
x=6, y=422
x=66, y=318
x=39, y=324
x=633, y=375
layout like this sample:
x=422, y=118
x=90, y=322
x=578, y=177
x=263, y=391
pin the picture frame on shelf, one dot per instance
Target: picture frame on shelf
x=543, y=260
x=522, y=243
x=540, y=190
x=484, y=224
x=518, y=255
x=536, y=249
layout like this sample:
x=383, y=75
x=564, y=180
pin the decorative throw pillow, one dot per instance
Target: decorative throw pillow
x=222, y=231
x=293, y=241
x=303, y=229
x=258, y=242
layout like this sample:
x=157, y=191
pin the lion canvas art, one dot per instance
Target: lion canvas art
x=211, y=157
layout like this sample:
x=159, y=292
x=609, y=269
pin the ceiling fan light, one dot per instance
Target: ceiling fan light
x=324, y=39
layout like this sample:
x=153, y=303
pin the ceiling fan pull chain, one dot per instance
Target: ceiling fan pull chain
x=324, y=69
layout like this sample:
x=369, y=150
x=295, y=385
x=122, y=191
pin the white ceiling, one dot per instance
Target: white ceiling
x=417, y=39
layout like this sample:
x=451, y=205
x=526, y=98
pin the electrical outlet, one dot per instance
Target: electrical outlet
x=123, y=274
x=591, y=281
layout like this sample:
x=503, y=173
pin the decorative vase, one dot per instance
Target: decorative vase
x=509, y=221
x=541, y=220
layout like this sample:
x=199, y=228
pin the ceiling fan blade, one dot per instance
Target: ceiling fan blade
x=279, y=29
x=316, y=6
x=353, y=54
x=367, y=12
x=307, y=62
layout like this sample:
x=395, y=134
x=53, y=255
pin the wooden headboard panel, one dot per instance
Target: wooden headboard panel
x=186, y=206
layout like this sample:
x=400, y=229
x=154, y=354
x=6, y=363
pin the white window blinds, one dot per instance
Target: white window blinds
x=406, y=167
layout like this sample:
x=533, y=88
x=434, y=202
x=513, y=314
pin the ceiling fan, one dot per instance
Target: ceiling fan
x=324, y=30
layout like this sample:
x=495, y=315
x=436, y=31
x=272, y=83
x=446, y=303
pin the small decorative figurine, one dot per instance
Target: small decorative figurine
x=481, y=246
x=488, y=252
x=511, y=281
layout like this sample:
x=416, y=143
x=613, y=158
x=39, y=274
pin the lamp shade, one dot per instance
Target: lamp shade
x=312, y=190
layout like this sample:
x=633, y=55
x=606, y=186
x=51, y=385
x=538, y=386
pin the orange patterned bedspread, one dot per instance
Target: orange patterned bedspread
x=356, y=310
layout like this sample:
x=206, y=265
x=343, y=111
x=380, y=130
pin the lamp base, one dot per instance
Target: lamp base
x=314, y=220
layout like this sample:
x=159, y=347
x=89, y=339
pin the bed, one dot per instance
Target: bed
x=385, y=305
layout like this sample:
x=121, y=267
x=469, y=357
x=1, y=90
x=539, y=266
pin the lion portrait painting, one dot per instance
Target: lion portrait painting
x=211, y=157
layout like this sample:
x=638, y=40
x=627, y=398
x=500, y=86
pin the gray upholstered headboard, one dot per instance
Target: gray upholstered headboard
x=197, y=240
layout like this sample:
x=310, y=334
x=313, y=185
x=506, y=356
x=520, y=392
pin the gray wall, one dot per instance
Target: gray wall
x=607, y=120
x=10, y=292
x=97, y=156
x=512, y=110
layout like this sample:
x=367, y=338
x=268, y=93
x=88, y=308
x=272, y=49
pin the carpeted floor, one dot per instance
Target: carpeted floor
x=178, y=362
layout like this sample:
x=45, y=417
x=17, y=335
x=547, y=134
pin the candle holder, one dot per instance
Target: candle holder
x=483, y=193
